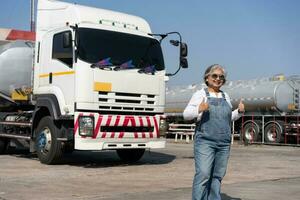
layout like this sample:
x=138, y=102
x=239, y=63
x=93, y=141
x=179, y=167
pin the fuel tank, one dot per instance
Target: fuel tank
x=265, y=95
x=16, y=64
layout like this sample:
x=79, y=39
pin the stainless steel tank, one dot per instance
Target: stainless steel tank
x=177, y=97
x=16, y=60
x=261, y=96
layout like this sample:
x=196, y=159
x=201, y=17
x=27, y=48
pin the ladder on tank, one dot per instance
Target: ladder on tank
x=296, y=87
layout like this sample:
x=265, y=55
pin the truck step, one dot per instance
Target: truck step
x=15, y=123
x=14, y=136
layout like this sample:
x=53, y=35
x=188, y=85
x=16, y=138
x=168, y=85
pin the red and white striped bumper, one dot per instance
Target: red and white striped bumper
x=119, y=131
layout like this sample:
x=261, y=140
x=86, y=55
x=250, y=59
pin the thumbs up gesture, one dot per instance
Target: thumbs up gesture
x=241, y=107
x=203, y=106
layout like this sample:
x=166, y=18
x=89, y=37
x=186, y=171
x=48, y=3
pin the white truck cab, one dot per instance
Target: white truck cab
x=98, y=83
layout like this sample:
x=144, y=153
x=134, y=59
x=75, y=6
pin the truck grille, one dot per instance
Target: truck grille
x=117, y=101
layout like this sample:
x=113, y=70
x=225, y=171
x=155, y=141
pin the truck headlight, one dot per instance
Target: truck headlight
x=86, y=126
x=162, y=126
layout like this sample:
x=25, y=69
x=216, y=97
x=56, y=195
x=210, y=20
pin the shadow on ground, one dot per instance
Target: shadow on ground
x=98, y=159
x=226, y=197
x=90, y=159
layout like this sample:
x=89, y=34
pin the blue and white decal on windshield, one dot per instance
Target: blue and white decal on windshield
x=126, y=65
x=103, y=63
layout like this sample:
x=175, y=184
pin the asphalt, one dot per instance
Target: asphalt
x=278, y=189
x=255, y=172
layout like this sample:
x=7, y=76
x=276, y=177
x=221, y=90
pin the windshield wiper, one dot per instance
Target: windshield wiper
x=94, y=65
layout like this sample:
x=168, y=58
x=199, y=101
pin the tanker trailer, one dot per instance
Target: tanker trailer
x=16, y=105
x=15, y=78
x=272, y=107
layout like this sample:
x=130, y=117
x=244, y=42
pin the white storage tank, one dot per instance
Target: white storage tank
x=15, y=66
x=16, y=60
x=261, y=96
x=264, y=96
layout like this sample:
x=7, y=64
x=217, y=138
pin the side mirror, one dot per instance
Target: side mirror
x=183, y=49
x=67, y=40
x=183, y=54
x=184, y=63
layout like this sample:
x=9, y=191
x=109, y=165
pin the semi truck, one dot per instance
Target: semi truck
x=92, y=79
x=271, y=103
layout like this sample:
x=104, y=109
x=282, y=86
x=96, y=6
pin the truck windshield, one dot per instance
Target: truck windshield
x=97, y=45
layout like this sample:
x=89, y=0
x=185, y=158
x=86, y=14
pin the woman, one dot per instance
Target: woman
x=213, y=111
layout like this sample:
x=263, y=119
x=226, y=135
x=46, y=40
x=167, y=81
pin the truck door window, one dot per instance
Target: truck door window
x=60, y=51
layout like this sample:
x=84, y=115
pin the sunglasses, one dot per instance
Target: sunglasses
x=215, y=76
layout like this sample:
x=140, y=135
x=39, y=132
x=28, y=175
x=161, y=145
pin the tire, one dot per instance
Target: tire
x=250, y=132
x=273, y=132
x=49, y=149
x=130, y=155
x=3, y=145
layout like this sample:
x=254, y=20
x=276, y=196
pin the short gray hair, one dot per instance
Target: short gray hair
x=210, y=69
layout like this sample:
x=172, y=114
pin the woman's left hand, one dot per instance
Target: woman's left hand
x=241, y=107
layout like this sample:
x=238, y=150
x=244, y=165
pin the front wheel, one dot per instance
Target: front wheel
x=49, y=149
x=130, y=155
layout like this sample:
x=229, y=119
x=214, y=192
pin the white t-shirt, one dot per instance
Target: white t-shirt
x=192, y=109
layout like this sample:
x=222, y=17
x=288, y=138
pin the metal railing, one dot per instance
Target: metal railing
x=182, y=130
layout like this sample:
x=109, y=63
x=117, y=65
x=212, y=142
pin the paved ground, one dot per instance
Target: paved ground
x=254, y=173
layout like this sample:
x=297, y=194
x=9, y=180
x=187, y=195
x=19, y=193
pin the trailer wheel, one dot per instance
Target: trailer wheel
x=250, y=132
x=3, y=145
x=273, y=132
x=130, y=155
x=49, y=149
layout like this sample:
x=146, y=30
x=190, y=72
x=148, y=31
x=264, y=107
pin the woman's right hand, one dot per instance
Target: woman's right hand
x=203, y=106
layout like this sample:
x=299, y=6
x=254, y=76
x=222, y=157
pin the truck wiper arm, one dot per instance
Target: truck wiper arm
x=108, y=66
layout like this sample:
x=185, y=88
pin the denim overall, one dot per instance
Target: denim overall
x=211, y=149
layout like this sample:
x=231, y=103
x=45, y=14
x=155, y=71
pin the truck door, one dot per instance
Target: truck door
x=56, y=73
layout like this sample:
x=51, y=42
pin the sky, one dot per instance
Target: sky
x=250, y=38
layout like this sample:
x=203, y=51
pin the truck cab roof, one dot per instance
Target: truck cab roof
x=55, y=14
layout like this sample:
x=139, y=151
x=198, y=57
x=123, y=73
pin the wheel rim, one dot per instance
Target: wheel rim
x=271, y=135
x=249, y=133
x=44, y=141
